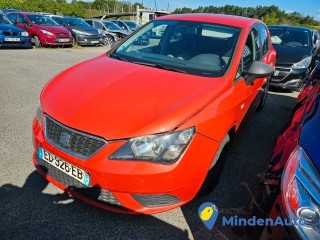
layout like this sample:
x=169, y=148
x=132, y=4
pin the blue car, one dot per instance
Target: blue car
x=290, y=188
x=11, y=36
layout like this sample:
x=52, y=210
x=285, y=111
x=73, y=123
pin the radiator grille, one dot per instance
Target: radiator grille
x=76, y=143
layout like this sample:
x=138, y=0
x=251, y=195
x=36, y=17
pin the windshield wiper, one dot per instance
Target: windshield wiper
x=112, y=55
x=161, y=67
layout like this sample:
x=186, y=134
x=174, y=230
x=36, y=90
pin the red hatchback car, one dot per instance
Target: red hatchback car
x=142, y=128
x=42, y=29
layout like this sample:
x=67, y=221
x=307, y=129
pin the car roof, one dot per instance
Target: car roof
x=231, y=20
x=28, y=13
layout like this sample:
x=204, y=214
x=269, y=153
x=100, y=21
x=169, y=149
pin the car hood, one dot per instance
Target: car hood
x=287, y=55
x=54, y=29
x=310, y=133
x=116, y=100
x=8, y=27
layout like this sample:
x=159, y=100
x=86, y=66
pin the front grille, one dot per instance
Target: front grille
x=10, y=34
x=156, y=200
x=74, y=142
x=282, y=73
x=94, y=193
x=62, y=35
x=92, y=37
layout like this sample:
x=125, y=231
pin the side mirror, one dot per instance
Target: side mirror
x=258, y=70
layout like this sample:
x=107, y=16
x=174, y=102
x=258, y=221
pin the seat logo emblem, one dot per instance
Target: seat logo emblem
x=65, y=139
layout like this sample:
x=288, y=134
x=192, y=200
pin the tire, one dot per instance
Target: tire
x=264, y=97
x=108, y=40
x=215, y=171
x=37, y=42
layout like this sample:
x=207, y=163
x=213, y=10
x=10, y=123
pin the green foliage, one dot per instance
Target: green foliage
x=75, y=8
x=268, y=14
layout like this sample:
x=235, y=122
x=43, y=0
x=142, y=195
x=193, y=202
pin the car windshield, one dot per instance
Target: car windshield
x=132, y=24
x=42, y=20
x=75, y=22
x=58, y=20
x=4, y=20
x=293, y=37
x=196, y=48
x=112, y=26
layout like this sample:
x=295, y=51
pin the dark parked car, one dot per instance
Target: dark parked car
x=11, y=36
x=126, y=25
x=295, y=55
x=83, y=33
x=291, y=186
x=108, y=37
x=42, y=30
x=114, y=28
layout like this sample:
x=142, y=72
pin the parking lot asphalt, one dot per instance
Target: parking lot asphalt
x=31, y=208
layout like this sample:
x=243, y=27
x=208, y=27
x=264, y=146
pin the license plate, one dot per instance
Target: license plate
x=276, y=73
x=68, y=168
x=12, y=39
x=63, y=40
x=94, y=41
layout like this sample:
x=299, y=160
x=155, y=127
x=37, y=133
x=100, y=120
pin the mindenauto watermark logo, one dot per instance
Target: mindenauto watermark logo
x=208, y=213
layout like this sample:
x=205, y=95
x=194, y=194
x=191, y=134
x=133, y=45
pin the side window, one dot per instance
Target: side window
x=89, y=22
x=22, y=19
x=98, y=25
x=251, y=52
x=122, y=25
x=264, y=38
x=256, y=45
x=12, y=18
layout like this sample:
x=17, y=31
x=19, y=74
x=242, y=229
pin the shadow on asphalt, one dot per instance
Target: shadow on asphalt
x=29, y=213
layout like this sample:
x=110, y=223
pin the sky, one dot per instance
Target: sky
x=306, y=7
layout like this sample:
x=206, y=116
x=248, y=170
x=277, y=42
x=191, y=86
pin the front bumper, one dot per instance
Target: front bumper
x=89, y=40
x=48, y=40
x=24, y=42
x=132, y=186
x=288, y=78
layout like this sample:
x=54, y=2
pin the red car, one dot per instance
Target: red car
x=42, y=29
x=140, y=129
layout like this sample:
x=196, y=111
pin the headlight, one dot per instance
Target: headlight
x=78, y=32
x=301, y=194
x=46, y=32
x=162, y=148
x=304, y=63
x=39, y=115
x=24, y=34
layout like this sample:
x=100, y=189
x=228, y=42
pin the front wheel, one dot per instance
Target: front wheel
x=37, y=42
x=264, y=97
x=108, y=40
